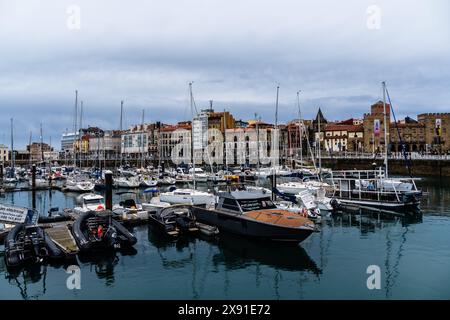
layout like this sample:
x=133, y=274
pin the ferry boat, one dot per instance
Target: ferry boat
x=253, y=214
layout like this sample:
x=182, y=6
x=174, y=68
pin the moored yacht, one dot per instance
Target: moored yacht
x=253, y=214
x=188, y=196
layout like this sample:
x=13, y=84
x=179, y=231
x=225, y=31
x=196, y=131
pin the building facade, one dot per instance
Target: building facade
x=4, y=153
x=374, y=137
x=437, y=131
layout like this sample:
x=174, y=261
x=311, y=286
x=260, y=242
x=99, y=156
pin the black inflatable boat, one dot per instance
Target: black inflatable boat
x=97, y=229
x=27, y=243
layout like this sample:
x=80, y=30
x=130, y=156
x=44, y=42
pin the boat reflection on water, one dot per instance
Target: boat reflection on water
x=370, y=222
x=103, y=263
x=184, y=246
x=238, y=252
x=30, y=279
x=234, y=252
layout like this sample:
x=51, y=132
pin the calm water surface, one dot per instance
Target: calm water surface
x=413, y=256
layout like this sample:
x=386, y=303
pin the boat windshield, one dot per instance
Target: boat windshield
x=93, y=201
x=256, y=204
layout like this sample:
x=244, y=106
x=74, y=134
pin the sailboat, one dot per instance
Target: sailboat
x=187, y=195
x=375, y=189
x=10, y=181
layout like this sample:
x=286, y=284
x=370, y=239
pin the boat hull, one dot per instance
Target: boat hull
x=237, y=224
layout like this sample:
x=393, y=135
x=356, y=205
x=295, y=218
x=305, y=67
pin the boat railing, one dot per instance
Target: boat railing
x=348, y=188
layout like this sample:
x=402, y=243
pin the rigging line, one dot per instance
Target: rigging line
x=402, y=144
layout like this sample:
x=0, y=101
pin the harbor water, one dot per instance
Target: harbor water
x=413, y=258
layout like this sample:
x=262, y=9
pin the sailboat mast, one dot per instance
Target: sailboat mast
x=81, y=127
x=319, y=153
x=300, y=127
x=75, y=130
x=142, y=139
x=13, y=157
x=41, y=142
x=121, y=128
x=276, y=122
x=29, y=144
x=386, y=136
x=257, y=141
x=275, y=136
x=192, y=132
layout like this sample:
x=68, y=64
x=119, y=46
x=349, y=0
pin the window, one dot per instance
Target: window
x=230, y=204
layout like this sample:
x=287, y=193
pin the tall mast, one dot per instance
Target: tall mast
x=225, y=139
x=81, y=127
x=386, y=136
x=121, y=128
x=29, y=145
x=300, y=127
x=142, y=139
x=75, y=129
x=257, y=141
x=192, y=132
x=319, y=153
x=275, y=135
x=13, y=157
x=276, y=122
x=40, y=144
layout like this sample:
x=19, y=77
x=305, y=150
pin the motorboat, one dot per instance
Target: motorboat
x=188, y=196
x=90, y=202
x=28, y=243
x=174, y=220
x=155, y=204
x=253, y=214
x=98, y=230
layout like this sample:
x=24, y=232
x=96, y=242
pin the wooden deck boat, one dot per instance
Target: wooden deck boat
x=253, y=214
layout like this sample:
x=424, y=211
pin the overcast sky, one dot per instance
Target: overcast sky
x=236, y=52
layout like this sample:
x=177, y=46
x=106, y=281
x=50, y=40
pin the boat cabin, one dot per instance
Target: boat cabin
x=243, y=201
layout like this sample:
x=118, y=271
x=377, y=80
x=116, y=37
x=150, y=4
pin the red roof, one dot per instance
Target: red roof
x=344, y=127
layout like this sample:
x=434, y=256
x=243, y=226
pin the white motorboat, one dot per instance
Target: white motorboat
x=154, y=204
x=313, y=213
x=123, y=182
x=306, y=199
x=188, y=196
x=90, y=202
